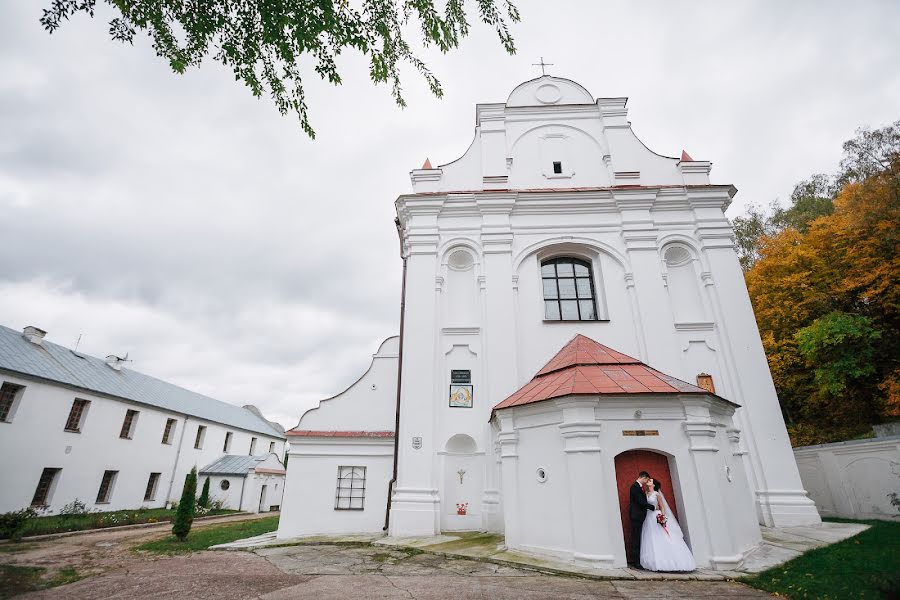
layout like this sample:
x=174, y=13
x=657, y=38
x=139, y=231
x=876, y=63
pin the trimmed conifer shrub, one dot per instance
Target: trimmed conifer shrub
x=203, y=502
x=184, y=517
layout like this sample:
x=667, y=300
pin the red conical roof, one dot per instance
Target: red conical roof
x=585, y=367
x=685, y=156
x=427, y=164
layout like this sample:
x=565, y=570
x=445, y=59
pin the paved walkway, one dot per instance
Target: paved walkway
x=321, y=572
x=779, y=546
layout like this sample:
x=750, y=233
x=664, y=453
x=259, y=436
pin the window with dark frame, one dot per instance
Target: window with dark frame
x=227, y=445
x=557, y=167
x=128, y=424
x=201, y=433
x=45, y=485
x=351, y=489
x=76, y=415
x=168, y=431
x=271, y=446
x=252, y=445
x=568, y=290
x=150, y=493
x=8, y=393
x=106, y=486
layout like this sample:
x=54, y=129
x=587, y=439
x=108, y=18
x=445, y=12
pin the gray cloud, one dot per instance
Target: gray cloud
x=181, y=220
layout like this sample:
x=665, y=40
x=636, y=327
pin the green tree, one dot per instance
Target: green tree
x=265, y=42
x=184, y=516
x=203, y=501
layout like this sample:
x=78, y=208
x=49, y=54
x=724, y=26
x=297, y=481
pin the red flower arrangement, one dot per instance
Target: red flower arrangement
x=662, y=520
x=462, y=508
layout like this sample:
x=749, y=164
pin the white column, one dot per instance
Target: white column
x=780, y=498
x=509, y=473
x=415, y=501
x=591, y=535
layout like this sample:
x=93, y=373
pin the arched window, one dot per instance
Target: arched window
x=568, y=290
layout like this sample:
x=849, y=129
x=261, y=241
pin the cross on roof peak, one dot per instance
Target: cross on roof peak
x=542, y=65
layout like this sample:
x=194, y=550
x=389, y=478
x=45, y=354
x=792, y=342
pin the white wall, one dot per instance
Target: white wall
x=852, y=479
x=36, y=439
x=309, y=497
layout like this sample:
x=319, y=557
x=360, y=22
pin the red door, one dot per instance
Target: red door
x=628, y=465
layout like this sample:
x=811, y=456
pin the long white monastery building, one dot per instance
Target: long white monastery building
x=76, y=426
x=573, y=312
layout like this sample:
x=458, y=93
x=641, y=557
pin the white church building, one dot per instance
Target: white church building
x=573, y=312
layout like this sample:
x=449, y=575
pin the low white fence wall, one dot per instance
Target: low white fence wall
x=852, y=479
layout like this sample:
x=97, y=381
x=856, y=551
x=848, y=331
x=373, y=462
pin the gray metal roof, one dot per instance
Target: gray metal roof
x=57, y=363
x=232, y=464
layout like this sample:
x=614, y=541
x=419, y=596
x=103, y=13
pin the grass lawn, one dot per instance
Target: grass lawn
x=18, y=580
x=201, y=539
x=866, y=566
x=99, y=520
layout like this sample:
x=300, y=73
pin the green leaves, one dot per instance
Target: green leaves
x=840, y=348
x=264, y=42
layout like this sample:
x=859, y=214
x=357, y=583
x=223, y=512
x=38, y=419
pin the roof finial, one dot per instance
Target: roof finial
x=427, y=164
x=542, y=65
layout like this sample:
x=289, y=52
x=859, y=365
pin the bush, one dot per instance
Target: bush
x=184, y=518
x=12, y=523
x=203, y=501
x=73, y=509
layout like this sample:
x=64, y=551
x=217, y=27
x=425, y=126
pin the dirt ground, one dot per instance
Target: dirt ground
x=322, y=572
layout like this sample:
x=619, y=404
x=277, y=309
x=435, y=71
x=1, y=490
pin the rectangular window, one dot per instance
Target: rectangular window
x=9, y=392
x=45, y=487
x=150, y=494
x=169, y=431
x=557, y=167
x=351, y=488
x=271, y=446
x=106, y=487
x=76, y=415
x=201, y=433
x=252, y=446
x=128, y=424
x=227, y=445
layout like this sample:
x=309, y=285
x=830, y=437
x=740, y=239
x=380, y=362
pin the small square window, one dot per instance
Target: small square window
x=9, y=393
x=152, y=483
x=169, y=431
x=351, y=489
x=106, y=487
x=45, y=487
x=76, y=415
x=128, y=424
x=557, y=167
x=201, y=433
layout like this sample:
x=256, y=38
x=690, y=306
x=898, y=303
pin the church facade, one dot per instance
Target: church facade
x=573, y=311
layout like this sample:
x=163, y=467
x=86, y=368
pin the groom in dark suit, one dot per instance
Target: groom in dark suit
x=637, y=512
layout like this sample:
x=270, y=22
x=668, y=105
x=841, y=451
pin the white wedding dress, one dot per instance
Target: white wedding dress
x=663, y=549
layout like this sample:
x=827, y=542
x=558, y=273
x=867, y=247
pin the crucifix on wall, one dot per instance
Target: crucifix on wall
x=461, y=472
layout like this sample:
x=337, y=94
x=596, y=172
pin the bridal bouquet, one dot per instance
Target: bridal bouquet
x=662, y=520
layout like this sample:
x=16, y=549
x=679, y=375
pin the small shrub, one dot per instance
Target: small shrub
x=12, y=523
x=184, y=518
x=74, y=508
x=203, y=501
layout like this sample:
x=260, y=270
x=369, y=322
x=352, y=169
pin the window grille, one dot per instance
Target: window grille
x=106, y=486
x=351, y=488
x=128, y=424
x=568, y=290
x=150, y=493
x=169, y=430
x=45, y=484
x=76, y=414
x=8, y=393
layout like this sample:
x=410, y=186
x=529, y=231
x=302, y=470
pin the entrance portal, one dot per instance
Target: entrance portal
x=628, y=465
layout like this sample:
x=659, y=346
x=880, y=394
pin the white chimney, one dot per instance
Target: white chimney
x=114, y=361
x=34, y=334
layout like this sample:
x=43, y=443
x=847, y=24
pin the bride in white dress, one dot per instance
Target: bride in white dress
x=663, y=548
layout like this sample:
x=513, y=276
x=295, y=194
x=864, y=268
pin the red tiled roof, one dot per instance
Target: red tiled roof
x=308, y=433
x=270, y=471
x=585, y=367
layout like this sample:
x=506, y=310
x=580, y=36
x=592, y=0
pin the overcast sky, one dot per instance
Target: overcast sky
x=181, y=221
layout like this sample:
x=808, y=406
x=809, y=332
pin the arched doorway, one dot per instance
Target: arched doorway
x=628, y=465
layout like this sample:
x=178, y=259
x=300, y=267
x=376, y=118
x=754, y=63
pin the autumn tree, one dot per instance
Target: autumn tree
x=824, y=286
x=265, y=43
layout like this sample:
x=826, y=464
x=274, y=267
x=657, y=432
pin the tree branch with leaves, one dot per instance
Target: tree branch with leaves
x=264, y=42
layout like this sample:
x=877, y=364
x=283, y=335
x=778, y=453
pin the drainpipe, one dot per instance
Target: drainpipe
x=393, y=481
x=177, y=456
